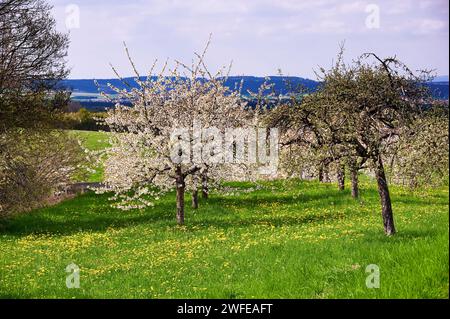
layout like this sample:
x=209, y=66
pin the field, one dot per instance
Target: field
x=93, y=141
x=266, y=150
x=291, y=239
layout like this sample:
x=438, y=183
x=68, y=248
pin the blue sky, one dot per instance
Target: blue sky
x=260, y=36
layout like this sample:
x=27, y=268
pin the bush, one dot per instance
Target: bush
x=83, y=120
x=33, y=165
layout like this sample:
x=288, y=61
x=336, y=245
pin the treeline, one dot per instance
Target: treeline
x=35, y=158
x=83, y=120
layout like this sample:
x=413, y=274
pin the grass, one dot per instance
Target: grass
x=93, y=141
x=291, y=239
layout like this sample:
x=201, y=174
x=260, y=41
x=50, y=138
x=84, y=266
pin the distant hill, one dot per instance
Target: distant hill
x=252, y=83
x=86, y=92
x=439, y=90
x=441, y=78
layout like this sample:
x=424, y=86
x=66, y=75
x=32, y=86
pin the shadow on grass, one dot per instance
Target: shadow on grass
x=327, y=199
x=87, y=212
x=90, y=212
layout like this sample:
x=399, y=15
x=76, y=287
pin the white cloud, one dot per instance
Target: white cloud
x=430, y=25
x=398, y=7
x=260, y=35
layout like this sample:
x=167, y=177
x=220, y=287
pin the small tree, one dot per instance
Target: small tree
x=377, y=103
x=151, y=141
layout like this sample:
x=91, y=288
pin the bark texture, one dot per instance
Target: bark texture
x=195, y=199
x=385, y=198
x=341, y=178
x=205, y=190
x=180, y=196
x=320, y=176
x=354, y=178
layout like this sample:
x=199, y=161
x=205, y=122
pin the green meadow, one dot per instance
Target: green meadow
x=93, y=141
x=289, y=239
x=193, y=122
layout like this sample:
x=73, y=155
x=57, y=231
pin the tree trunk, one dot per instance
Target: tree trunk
x=341, y=177
x=385, y=198
x=354, y=177
x=195, y=191
x=326, y=174
x=180, y=196
x=320, y=174
x=205, y=189
x=195, y=199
